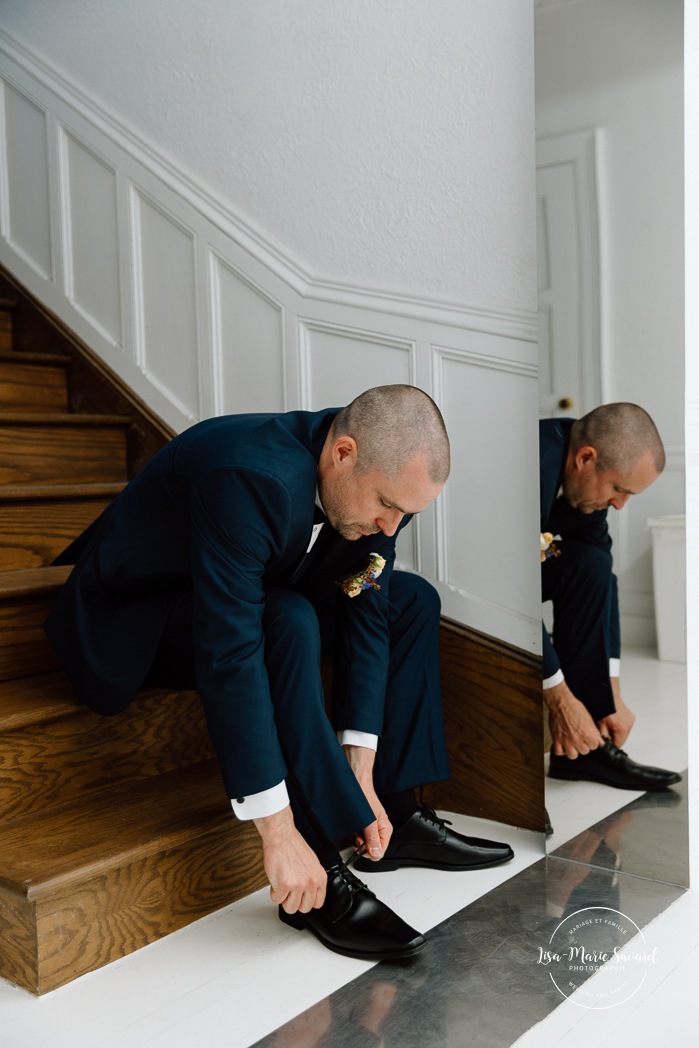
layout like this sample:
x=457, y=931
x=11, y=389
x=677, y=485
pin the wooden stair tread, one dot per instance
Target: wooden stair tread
x=32, y=700
x=31, y=582
x=32, y=418
x=38, y=492
x=85, y=838
x=56, y=751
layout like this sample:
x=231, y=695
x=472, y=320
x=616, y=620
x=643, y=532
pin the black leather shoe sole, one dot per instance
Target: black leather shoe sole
x=640, y=787
x=301, y=922
x=619, y=778
x=384, y=865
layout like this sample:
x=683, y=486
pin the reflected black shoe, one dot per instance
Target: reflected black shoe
x=425, y=840
x=353, y=922
x=613, y=767
x=548, y=828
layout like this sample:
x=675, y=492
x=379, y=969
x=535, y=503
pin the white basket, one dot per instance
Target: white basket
x=668, y=535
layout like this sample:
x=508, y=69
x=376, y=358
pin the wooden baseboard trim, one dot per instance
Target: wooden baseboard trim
x=492, y=710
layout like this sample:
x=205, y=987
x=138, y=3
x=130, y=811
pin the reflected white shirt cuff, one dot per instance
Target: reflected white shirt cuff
x=350, y=737
x=614, y=667
x=554, y=679
x=260, y=805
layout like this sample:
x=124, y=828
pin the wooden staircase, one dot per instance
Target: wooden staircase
x=113, y=832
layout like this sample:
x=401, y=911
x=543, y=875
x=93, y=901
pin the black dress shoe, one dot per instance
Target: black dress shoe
x=424, y=840
x=548, y=828
x=353, y=922
x=613, y=767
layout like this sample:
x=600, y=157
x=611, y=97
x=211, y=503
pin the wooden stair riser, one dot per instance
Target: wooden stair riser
x=24, y=648
x=70, y=756
x=118, y=877
x=68, y=453
x=80, y=929
x=32, y=387
x=32, y=536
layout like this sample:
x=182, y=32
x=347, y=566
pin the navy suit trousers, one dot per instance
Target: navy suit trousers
x=581, y=585
x=324, y=794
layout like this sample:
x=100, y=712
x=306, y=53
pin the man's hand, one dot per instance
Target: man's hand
x=297, y=879
x=376, y=835
x=617, y=725
x=573, y=730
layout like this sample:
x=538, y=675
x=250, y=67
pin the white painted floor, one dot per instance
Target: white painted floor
x=239, y=974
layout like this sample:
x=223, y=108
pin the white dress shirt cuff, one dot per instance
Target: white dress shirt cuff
x=554, y=679
x=614, y=667
x=260, y=805
x=349, y=737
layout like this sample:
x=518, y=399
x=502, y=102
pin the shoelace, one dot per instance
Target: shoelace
x=351, y=881
x=430, y=815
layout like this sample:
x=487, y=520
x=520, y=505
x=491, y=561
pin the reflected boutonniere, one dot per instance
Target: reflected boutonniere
x=547, y=547
x=366, y=579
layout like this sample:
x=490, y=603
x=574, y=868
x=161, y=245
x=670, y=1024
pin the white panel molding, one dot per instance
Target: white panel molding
x=483, y=360
x=64, y=217
x=45, y=272
x=215, y=263
x=459, y=602
x=471, y=358
x=306, y=327
x=139, y=197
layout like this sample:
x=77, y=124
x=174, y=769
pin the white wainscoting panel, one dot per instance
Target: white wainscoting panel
x=27, y=215
x=488, y=523
x=166, y=330
x=248, y=343
x=338, y=363
x=91, y=236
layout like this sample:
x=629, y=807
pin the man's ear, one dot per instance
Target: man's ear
x=586, y=457
x=344, y=452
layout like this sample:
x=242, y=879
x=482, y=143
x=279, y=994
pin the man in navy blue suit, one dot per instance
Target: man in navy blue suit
x=588, y=466
x=244, y=549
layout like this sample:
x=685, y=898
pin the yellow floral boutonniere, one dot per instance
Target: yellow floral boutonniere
x=547, y=547
x=366, y=579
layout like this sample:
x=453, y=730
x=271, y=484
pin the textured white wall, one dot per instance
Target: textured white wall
x=617, y=65
x=383, y=145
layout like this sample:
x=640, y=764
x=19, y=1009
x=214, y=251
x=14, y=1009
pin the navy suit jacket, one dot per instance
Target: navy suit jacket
x=560, y=518
x=225, y=510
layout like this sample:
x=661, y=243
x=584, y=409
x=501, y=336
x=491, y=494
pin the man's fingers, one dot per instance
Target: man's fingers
x=372, y=841
x=320, y=896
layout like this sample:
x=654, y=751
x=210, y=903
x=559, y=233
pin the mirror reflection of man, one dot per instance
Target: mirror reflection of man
x=587, y=466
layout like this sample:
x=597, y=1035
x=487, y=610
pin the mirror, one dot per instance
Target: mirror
x=609, y=98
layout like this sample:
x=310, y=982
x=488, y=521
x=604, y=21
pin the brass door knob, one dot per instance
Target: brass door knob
x=565, y=403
